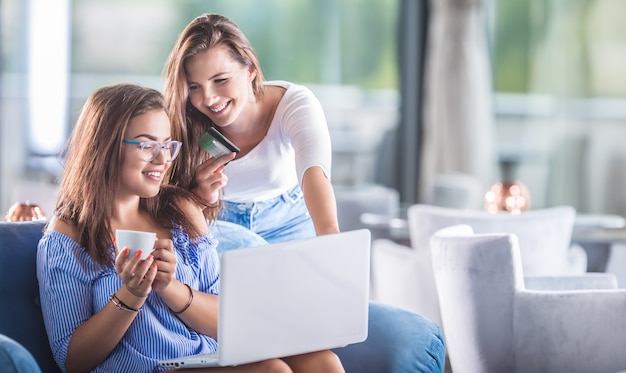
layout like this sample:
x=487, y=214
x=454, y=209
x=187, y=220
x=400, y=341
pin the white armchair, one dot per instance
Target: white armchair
x=403, y=276
x=545, y=234
x=494, y=323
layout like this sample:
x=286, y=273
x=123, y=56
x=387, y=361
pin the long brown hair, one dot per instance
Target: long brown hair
x=202, y=34
x=93, y=159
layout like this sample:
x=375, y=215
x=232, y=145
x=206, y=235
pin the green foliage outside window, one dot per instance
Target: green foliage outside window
x=567, y=48
x=347, y=42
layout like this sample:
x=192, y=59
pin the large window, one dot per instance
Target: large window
x=561, y=99
x=570, y=48
x=345, y=50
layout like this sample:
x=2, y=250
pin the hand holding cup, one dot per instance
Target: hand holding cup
x=135, y=240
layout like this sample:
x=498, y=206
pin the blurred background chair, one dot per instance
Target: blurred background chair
x=457, y=190
x=378, y=208
x=494, y=323
x=375, y=200
x=403, y=276
x=544, y=234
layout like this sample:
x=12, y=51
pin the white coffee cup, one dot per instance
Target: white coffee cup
x=135, y=240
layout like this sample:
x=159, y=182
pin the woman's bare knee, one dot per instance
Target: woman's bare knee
x=321, y=361
x=274, y=366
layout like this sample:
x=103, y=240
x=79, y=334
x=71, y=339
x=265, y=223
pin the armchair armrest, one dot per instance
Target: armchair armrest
x=403, y=276
x=576, y=260
x=390, y=267
x=570, y=331
x=572, y=282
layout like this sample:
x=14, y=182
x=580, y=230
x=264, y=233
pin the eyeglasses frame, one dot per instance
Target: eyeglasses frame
x=161, y=145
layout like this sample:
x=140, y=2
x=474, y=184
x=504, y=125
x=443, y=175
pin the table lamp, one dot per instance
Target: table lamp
x=507, y=195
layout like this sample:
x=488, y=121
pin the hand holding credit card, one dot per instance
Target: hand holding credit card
x=216, y=144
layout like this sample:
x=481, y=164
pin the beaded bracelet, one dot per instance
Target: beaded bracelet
x=188, y=303
x=121, y=305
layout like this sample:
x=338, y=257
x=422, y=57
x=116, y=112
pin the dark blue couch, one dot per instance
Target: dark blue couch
x=20, y=315
x=398, y=341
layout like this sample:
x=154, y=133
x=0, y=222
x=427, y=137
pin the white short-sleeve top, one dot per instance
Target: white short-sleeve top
x=297, y=139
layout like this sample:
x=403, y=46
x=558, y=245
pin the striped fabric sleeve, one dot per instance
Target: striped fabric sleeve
x=65, y=273
x=202, y=251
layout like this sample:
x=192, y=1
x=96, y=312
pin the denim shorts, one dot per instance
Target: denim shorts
x=282, y=218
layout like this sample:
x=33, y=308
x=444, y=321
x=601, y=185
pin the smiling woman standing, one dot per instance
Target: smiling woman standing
x=279, y=184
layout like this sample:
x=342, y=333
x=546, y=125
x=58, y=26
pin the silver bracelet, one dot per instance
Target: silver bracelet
x=188, y=302
x=121, y=305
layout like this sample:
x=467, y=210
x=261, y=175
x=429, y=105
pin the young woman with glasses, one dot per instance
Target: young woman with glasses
x=108, y=311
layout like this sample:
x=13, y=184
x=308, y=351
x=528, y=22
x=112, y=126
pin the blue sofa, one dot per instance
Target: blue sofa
x=398, y=341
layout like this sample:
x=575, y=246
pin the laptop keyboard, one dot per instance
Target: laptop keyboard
x=191, y=361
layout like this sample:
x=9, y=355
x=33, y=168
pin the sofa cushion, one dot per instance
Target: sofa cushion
x=14, y=358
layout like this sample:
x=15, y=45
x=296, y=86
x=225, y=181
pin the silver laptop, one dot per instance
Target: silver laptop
x=290, y=298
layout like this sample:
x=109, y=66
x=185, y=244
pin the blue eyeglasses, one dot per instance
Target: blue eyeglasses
x=151, y=149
